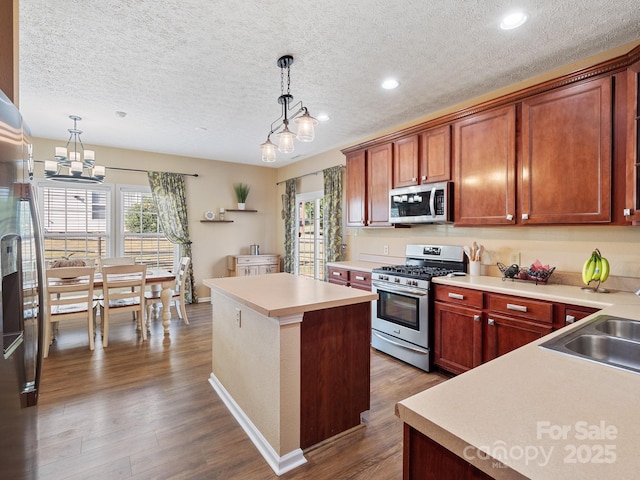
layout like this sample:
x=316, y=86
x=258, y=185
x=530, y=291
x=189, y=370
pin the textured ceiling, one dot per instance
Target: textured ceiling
x=175, y=66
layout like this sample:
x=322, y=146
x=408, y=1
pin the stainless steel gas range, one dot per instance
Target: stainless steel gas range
x=401, y=319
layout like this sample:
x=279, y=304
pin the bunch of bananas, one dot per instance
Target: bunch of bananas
x=596, y=268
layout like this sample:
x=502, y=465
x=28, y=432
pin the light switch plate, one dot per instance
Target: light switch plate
x=238, y=317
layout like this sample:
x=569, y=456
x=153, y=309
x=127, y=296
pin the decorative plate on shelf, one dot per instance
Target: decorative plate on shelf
x=209, y=215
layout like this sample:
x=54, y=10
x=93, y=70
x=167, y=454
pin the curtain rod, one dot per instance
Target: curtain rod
x=307, y=174
x=137, y=170
x=147, y=171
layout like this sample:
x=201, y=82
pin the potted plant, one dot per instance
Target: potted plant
x=242, y=192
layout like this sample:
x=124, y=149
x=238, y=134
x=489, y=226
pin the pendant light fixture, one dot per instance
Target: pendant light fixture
x=305, y=123
x=74, y=165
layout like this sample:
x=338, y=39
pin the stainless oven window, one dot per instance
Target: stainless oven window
x=399, y=309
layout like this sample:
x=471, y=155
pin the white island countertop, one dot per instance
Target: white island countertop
x=280, y=294
x=543, y=414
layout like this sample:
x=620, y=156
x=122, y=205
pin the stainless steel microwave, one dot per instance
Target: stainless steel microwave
x=428, y=203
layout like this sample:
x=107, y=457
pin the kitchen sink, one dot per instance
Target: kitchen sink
x=623, y=328
x=612, y=341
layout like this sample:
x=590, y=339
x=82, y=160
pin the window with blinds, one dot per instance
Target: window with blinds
x=75, y=221
x=141, y=234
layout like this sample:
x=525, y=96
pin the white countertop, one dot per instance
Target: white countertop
x=514, y=403
x=280, y=294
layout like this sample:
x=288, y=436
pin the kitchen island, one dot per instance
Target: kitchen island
x=531, y=413
x=290, y=359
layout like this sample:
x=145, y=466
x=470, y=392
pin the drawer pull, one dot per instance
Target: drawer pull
x=517, y=308
x=476, y=318
x=358, y=277
x=337, y=274
x=569, y=319
x=491, y=321
x=457, y=296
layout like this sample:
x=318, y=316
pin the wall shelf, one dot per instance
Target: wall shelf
x=236, y=210
x=216, y=221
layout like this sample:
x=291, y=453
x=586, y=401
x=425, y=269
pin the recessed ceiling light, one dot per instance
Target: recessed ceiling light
x=390, y=84
x=323, y=117
x=513, y=20
x=121, y=114
x=201, y=129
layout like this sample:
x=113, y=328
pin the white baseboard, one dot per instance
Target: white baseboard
x=279, y=464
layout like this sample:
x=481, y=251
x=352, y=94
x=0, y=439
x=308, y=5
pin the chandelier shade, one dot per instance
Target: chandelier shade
x=304, y=122
x=74, y=165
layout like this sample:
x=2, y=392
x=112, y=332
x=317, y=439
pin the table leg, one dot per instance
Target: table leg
x=165, y=296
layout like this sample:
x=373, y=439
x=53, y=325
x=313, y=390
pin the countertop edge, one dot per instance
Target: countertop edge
x=356, y=296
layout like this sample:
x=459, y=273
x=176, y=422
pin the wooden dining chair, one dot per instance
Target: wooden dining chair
x=123, y=291
x=69, y=293
x=153, y=298
x=108, y=261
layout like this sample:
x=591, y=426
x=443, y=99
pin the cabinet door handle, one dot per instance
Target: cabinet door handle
x=509, y=217
x=517, y=308
x=476, y=318
x=424, y=177
x=358, y=277
x=414, y=179
x=626, y=212
x=569, y=319
x=525, y=216
x=491, y=322
x=457, y=296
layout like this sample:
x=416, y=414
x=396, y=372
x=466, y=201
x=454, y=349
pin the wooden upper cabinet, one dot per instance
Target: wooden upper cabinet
x=485, y=166
x=632, y=201
x=356, y=193
x=435, y=155
x=406, y=161
x=565, y=169
x=379, y=182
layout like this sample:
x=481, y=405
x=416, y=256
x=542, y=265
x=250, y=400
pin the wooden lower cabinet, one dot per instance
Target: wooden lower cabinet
x=334, y=371
x=504, y=334
x=573, y=313
x=425, y=459
x=472, y=327
x=243, y=265
x=350, y=278
x=513, y=322
x=458, y=337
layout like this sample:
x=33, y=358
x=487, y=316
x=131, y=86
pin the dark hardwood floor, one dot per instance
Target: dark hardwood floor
x=146, y=411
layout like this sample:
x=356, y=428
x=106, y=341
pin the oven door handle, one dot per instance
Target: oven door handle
x=413, y=349
x=406, y=291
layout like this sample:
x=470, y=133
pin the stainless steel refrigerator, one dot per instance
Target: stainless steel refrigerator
x=22, y=308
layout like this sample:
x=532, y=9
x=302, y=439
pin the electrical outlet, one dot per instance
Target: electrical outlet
x=385, y=249
x=514, y=258
x=238, y=317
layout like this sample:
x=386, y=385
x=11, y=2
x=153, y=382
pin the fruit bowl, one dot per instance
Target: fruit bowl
x=534, y=273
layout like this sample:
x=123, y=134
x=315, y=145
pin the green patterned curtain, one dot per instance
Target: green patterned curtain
x=170, y=198
x=332, y=216
x=289, y=209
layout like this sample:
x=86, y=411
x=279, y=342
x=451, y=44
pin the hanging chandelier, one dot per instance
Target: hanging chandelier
x=300, y=115
x=74, y=165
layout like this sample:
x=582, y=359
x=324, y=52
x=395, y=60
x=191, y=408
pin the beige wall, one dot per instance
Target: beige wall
x=212, y=189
